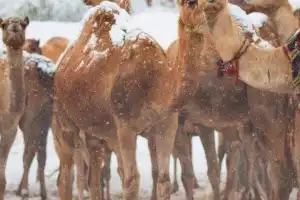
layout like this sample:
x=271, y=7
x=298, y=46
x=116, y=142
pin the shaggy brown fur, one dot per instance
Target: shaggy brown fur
x=54, y=47
x=125, y=4
x=12, y=102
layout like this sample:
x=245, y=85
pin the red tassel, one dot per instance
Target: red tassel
x=231, y=71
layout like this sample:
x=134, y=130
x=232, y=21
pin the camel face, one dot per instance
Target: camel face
x=192, y=13
x=13, y=31
x=32, y=46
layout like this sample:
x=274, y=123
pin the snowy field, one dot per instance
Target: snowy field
x=161, y=24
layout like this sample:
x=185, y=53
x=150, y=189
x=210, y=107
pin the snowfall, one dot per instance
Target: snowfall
x=161, y=23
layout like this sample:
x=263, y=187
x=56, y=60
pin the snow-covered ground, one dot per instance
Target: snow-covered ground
x=161, y=24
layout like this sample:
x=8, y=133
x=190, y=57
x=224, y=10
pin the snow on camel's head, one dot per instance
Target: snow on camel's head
x=13, y=31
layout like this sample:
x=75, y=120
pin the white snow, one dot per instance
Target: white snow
x=258, y=19
x=248, y=23
x=43, y=63
x=295, y=4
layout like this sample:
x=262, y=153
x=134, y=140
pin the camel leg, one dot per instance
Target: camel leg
x=41, y=157
x=7, y=139
x=213, y=170
x=94, y=179
x=127, y=140
x=296, y=149
x=153, y=155
x=30, y=149
x=182, y=149
x=80, y=175
x=107, y=174
x=64, y=146
x=230, y=186
x=165, y=137
x=175, y=186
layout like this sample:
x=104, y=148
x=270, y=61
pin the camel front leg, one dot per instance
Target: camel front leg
x=127, y=140
x=296, y=149
x=94, y=180
x=153, y=155
x=213, y=170
x=7, y=139
x=165, y=137
x=80, y=175
x=30, y=149
x=175, y=186
x=182, y=149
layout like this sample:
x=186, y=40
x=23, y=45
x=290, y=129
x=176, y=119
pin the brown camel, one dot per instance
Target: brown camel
x=12, y=102
x=54, y=47
x=148, y=87
x=125, y=4
x=266, y=109
x=35, y=122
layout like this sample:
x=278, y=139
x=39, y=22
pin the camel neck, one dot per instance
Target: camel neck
x=286, y=22
x=260, y=68
x=226, y=34
x=15, y=58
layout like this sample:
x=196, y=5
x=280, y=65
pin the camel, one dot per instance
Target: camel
x=54, y=47
x=148, y=108
x=12, y=102
x=35, y=122
x=276, y=106
x=125, y=4
x=284, y=29
x=275, y=79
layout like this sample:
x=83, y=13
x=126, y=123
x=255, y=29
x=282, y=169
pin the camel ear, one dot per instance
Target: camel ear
x=1, y=22
x=26, y=21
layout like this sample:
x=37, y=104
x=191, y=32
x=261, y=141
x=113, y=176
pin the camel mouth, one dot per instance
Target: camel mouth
x=15, y=40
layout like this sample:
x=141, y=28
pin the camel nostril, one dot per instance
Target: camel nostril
x=192, y=3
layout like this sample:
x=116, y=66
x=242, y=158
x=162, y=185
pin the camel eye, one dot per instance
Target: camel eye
x=192, y=3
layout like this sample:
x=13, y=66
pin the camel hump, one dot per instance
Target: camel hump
x=58, y=41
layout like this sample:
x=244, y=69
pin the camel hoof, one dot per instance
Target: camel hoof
x=175, y=188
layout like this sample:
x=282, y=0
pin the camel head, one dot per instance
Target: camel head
x=32, y=46
x=13, y=31
x=92, y=2
x=192, y=14
x=214, y=7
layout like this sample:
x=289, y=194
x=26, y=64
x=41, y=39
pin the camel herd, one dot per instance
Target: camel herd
x=114, y=83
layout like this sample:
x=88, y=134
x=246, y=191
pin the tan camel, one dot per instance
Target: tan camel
x=35, y=121
x=274, y=73
x=54, y=47
x=275, y=108
x=285, y=26
x=12, y=102
x=125, y=4
x=147, y=101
